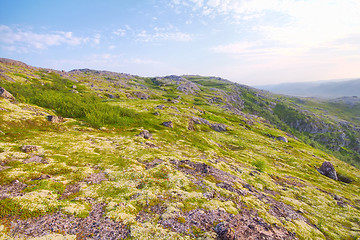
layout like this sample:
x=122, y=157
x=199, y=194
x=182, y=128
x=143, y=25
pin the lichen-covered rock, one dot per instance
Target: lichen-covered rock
x=327, y=169
x=145, y=134
x=141, y=95
x=218, y=127
x=5, y=94
x=54, y=119
x=168, y=124
x=29, y=148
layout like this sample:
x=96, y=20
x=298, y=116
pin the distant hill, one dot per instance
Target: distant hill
x=324, y=89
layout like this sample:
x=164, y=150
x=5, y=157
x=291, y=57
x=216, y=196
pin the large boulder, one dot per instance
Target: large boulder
x=5, y=94
x=327, y=169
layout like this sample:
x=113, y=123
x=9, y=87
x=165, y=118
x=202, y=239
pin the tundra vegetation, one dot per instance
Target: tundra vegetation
x=236, y=163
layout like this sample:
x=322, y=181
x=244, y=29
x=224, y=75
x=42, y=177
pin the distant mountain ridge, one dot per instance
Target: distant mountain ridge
x=323, y=89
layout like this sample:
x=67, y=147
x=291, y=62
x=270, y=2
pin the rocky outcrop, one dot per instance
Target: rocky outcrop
x=188, y=87
x=5, y=94
x=327, y=169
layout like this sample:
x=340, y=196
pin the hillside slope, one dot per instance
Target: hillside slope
x=103, y=155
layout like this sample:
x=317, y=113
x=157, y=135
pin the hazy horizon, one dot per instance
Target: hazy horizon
x=249, y=42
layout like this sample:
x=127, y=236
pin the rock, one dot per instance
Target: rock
x=281, y=138
x=191, y=125
x=29, y=148
x=224, y=231
x=5, y=94
x=156, y=113
x=327, y=169
x=189, y=87
x=141, y=95
x=168, y=124
x=218, y=127
x=111, y=95
x=145, y=134
x=54, y=119
x=161, y=107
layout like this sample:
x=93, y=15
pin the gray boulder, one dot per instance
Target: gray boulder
x=54, y=119
x=283, y=139
x=168, y=124
x=5, y=94
x=328, y=170
x=218, y=127
x=145, y=134
x=29, y=148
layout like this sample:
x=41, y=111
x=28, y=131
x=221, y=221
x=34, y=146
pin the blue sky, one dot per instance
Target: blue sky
x=250, y=42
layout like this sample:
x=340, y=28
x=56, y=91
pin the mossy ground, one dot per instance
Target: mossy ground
x=75, y=149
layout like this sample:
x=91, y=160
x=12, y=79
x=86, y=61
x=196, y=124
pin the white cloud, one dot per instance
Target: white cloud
x=163, y=35
x=120, y=32
x=25, y=39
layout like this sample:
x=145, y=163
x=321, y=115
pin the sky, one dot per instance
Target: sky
x=253, y=42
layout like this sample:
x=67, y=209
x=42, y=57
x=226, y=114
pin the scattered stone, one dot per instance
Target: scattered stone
x=168, y=124
x=151, y=145
x=218, y=127
x=96, y=178
x=328, y=170
x=283, y=139
x=43, y=176
x=36, y=159
x=111, y=95
x=156, y=113
x=29, y=148
x=224, y=231
x=69, y=190
x=5, y=94
x=13, y=189
x=73, y=87
x=94, y=226
x=145, y=134
x=54, y=119
x=336, y=197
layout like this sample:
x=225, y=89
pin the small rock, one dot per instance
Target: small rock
x=224, y=231
x=29, y=148
x=161, y=107
x=145, y=134
x=218, y=127
x=54, y=119
x=327, y=169
x=168, y=124
x=336, y=197
x=156, y=113
x=283, y=139
x=5, y=94
x=73, y=87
